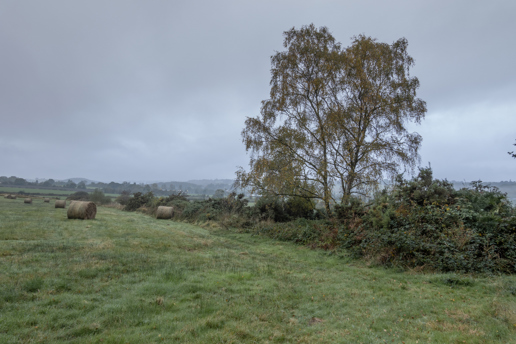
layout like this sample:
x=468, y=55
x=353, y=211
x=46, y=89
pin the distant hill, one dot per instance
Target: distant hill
x=205, y=182
x=78, y=180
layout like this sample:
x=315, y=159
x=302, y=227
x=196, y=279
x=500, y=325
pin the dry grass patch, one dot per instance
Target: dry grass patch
x=506, y=312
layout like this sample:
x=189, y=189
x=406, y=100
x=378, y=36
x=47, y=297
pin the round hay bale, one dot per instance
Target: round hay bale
x=46, y=200
x=7, y=196
x=164, y=213
x=60, y=204
x=82, y=210
x=13, y=196
x=27, y=200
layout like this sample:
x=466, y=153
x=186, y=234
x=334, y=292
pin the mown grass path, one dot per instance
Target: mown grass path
x=128, y=278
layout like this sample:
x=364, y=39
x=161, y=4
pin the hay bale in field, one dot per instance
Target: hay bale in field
x=46, y=200
x=7, y=196
x=164, y=212
x=60, y=204
x=82, y=210
x=13, y=196
x=27, y=200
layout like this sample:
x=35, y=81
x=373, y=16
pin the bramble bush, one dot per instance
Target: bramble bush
x=426, y=223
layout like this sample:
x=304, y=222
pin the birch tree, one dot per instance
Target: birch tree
x=336, y=118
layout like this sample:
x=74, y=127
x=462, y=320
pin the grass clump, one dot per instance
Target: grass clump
x=33, y=285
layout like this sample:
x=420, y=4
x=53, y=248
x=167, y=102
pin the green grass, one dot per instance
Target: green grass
x=128, y=278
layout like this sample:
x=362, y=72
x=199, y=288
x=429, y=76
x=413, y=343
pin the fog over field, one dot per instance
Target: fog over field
x=159, y=90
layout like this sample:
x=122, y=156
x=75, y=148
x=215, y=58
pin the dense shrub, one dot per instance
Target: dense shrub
x=270, y=207
x=139, y=200
x=300, y=207
x=98, y=197
x=216, y=209
x=353, y=210
x=233, y=204
x=79, y=196
x=124, y=198
x=425, y=222
x=200, y=210
x=179, y=206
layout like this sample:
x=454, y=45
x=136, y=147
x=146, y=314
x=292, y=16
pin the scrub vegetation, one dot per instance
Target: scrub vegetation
x=423, y=223
x=128, y=278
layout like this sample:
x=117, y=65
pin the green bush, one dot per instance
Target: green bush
x=200, y=210
x=426, y=223
x=300, y=207
x=179, y=206
x=270, y=207
x=79, y=196
x=354, y=209
x=216, y=209
x=139, y=200
x=98, y=197
x=124, y=198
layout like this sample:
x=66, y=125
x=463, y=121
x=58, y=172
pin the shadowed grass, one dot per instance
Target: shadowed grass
x=126, y=277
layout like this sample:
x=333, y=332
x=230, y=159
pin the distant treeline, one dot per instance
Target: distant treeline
x=163, y=189
x=204, y=187
x=507, y=187
x=221, y=187
x=49, y=183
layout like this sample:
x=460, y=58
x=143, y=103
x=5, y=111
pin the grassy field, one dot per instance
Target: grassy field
x=128, y=278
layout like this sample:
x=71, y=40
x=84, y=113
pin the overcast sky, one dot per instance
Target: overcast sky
x=125, y=90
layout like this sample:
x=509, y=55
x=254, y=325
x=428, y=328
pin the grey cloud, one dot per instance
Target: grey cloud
x=119, y=90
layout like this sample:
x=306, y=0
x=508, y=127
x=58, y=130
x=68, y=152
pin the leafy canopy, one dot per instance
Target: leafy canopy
x=336, y=118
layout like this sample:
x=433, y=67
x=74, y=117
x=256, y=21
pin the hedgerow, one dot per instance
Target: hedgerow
x=420, y=223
